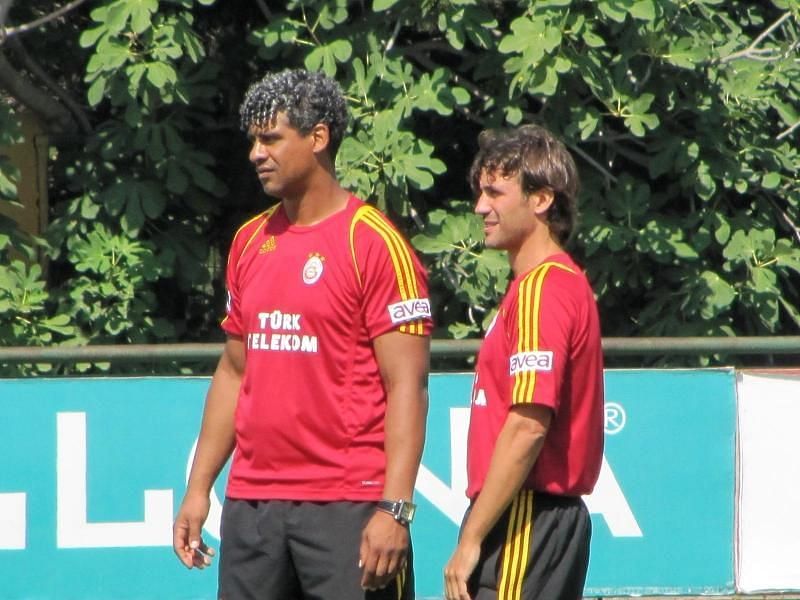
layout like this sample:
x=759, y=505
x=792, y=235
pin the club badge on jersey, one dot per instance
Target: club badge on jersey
x=313, y=268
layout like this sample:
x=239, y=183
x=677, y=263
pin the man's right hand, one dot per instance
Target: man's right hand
x=187, y=541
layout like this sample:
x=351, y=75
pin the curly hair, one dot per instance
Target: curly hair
x=541, y=160
x=308, y=98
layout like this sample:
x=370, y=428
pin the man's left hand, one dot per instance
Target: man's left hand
x=384, y=549
x=459, y=568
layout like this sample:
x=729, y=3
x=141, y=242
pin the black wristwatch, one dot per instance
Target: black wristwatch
x=402, y=510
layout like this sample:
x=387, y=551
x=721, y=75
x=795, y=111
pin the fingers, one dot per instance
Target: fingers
x=195, y=536
x=201, y=554
x=455, y=587
x=458, y=571
x=180, y=544
x=381, y=570
x=188, y=545
x=380, y=558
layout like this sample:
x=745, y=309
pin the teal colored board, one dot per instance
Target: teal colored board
x=85, y=534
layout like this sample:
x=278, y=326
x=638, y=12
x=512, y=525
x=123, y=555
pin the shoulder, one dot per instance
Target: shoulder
x=559, y=282
x=373, y=234
x=370, y=224
x=248, y=230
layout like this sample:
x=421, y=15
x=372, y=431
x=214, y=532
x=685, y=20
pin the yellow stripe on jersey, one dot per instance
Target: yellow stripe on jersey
x=265, y=216
x=403, y=266
x=517, y=547
x=399, y=254
x=529, y=300
x=357, y=217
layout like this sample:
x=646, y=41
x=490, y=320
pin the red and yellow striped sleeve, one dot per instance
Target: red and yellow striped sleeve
x=392, y=279
x=540, y=338
x=242, y=241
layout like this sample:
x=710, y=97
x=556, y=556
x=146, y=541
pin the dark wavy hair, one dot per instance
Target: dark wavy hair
x=307, y=98
x=541, y=160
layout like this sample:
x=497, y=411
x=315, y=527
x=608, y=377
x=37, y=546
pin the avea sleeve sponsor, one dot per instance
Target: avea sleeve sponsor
x=393, y=282
x=540, y=327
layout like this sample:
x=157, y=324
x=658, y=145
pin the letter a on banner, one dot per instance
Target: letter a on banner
x=609, y=501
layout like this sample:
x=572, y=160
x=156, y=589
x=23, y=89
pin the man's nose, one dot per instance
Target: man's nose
x=481, y=205
x=258, y=152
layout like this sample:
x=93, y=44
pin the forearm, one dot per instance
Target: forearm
x=404, y=361
x=514, y=455
x=405, y=438
x=217, y=432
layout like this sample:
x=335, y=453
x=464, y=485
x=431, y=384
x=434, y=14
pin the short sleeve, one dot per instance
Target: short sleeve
x=232, y=322
x=540, y=329
x=393, y=281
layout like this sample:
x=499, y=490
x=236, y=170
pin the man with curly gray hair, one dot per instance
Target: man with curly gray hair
x=307, y=98
x=321, y=389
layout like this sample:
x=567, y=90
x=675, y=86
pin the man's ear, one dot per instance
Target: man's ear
x=321, y=137
x=541, y=200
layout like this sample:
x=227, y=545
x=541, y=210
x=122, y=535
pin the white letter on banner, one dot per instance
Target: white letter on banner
x=212, y=524
x=609, y=501
x=73, y=530
x=12, y=521
x=451, y=500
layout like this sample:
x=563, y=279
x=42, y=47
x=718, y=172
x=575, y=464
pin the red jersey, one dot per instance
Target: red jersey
x=307, y=301
x=543, y=347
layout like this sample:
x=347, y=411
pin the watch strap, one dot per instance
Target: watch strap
x=402, y=510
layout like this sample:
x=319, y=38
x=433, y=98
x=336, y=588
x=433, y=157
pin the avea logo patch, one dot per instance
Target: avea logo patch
x=532, y=361
x=409, y=310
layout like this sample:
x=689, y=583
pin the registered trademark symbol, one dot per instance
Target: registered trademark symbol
x=615, y=418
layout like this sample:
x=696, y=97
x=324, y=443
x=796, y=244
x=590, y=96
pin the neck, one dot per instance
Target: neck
x=321, y=197
x=537, y=247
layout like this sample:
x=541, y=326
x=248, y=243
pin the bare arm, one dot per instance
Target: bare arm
x=404, y=361
x=214, y=447
x=515, y=453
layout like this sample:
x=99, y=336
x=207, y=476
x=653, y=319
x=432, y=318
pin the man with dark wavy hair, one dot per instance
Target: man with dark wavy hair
x=321, y=391
x=535, y=442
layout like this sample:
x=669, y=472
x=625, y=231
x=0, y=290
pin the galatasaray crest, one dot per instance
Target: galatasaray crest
x=312, y=270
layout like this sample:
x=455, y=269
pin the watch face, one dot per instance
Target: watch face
x=407, y=512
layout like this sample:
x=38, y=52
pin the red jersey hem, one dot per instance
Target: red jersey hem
x=323, y=495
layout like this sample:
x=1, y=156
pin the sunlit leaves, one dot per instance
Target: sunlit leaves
x=475, y=276
x=682, y=120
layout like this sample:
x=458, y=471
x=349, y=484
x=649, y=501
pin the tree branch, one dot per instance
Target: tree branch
x=786, y=219
x=751, y=51
x=5, y=6
x=12, y=31
x=37, y=71
x=264, y=9
x=51, y=111
x=603, y=171
x=393, y=38
x=787, y=132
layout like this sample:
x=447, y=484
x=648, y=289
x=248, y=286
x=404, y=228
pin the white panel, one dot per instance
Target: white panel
x=12, y=521
x=768, y=520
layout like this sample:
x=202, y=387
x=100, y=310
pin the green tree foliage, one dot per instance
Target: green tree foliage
x=683, y=116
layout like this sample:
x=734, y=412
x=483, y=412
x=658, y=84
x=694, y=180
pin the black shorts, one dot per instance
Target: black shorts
x=289, y=550
x=538, y=550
